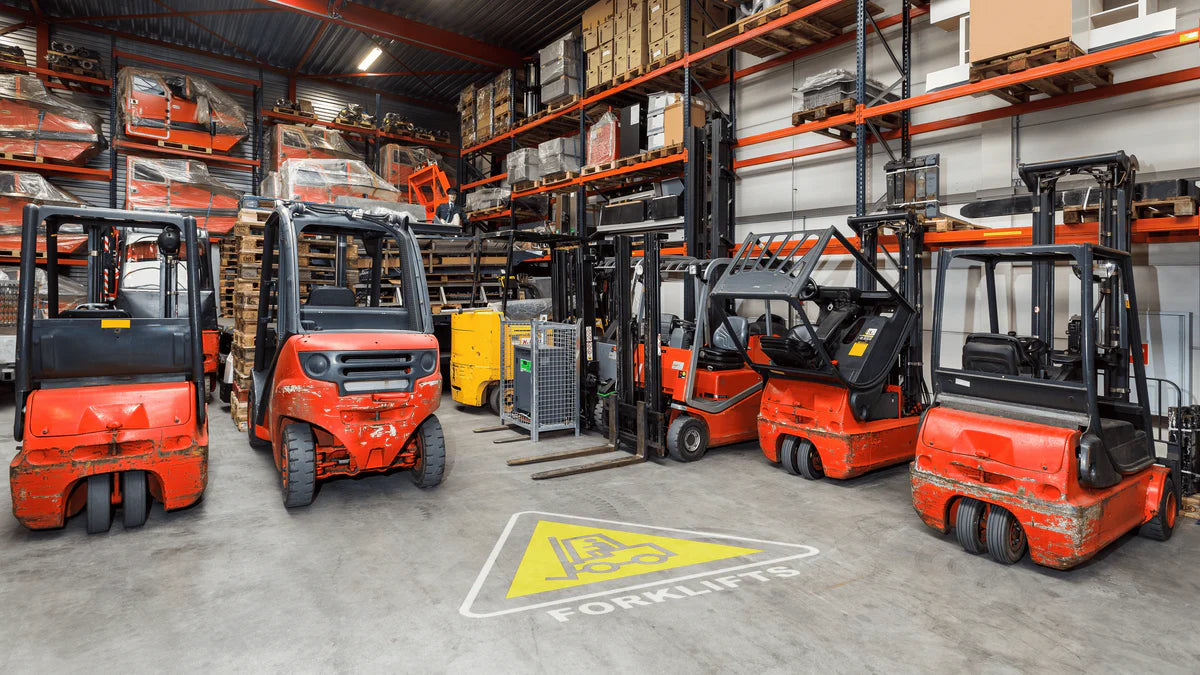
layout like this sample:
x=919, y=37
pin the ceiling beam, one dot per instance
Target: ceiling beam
x=312, y=44
x=396, y=73
x=377, y=22
x=167, y=15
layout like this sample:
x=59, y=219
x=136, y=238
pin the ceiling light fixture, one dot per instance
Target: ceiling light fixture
x=370, y=58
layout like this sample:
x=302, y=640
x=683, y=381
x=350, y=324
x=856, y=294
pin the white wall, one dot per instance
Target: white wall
x=1160, y=126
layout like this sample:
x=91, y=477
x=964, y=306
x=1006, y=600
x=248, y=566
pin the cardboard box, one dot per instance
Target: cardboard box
x=604, y=53
x=597, y=14
x=593, y=73
x=654, y=29
x=636, y=13
x=656, y=141
x=606, y=31
x=636, y=41
x=606, y=72
x=591, y=38
x=673, y=121
x=1000, y=28
x=620, y=46
x=620, y=24
x=673, y=43
x=621, y=63
x=654, y=51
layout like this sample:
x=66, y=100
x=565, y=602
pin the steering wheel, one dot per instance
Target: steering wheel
x=1034, y=348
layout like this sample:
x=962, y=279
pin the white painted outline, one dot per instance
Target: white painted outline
x=465, y=609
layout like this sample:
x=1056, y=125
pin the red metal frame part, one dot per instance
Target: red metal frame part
x=236, y=162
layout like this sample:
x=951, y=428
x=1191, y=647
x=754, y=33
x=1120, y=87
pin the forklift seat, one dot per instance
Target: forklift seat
x=330, y=296
x=994, y=353
x=723, y=339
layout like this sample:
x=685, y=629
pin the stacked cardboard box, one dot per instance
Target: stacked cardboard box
x=664, y=119
x=484, y=112
x=620, y=36
x=508, y=102
x=466, y=109
x=559, y=71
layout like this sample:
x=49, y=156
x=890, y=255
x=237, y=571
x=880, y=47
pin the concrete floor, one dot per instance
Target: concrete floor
x=372, y=577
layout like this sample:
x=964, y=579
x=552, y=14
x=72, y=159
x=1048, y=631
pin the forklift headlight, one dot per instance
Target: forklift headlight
x=428, y=362
x=316, y=365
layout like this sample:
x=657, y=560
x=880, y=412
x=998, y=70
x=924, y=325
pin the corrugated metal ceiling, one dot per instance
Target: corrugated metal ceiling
x=279, y=38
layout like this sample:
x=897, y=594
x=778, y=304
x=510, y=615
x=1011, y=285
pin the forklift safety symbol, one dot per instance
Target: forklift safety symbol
x=544, y=560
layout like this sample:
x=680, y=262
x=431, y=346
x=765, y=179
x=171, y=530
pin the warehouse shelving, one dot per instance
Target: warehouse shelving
x=363, y=132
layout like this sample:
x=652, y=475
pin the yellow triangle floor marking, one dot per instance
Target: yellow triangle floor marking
x=563, y=555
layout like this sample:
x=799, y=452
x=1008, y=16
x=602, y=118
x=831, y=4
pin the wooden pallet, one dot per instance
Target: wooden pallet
x=945, y=223
x=1190, y=508
x=610, y=165
x=1147, y=208
x=814, y=28
x=551, y=109
x=557, y=178
x=172, y=145
x=295, y=113
x=842, y=132
x=23, y=157
x=354, y=123
x=1057, y=85
x=524, y=185
x=485, y=213
x=658, y=153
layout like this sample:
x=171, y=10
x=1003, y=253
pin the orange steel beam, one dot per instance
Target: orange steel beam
x=378, y=22
x=1132, y=86
x=127, y=56
x=236, y=162
x=611, y=173
x=62, y=169
x=863, y=113
x=165, y=15
x=485, y=181
x=15, y=27
x=65, y=76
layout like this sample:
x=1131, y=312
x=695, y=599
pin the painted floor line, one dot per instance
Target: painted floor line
x=465, y=608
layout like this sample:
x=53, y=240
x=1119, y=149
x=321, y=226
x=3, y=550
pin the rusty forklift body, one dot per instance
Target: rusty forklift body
x=110, y=406
x=347, y=386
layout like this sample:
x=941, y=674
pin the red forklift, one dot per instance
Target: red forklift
x=110, y=408
x=342, y=384
x=1035, y=442
x=843, y=390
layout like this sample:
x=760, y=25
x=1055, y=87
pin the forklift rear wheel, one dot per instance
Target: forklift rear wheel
x=970, y=526
x=255, y=442
x=299, y=475
x=431, y=454
x=787, y=455
x=687, y=439
x=600, y=416
x=1162, y=525
x=1006, y=542
x=99, y=503
x=135, y=498
x=493, y=398
x=808, y=460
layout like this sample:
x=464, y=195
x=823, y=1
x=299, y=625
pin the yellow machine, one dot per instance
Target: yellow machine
x=475, y=359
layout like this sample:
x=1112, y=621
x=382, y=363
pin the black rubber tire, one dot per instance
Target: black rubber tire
x=99, y=503
x=255, y=442
x=224, y=392
x=808, y=460
x=1162, y=525
x=687, y=439
x=135, y=498
x=298, y=480
x=968, y=525
x=1006, y=540
x=600, y=416
x=787, y=454
x=493, y=399
x=431, y=454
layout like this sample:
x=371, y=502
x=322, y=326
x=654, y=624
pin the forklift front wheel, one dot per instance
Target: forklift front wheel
x=1162, y=525
x=687, y=439
x=99, y=503
x=299, y=475
x=255, y=442
x=431, y=454
x=493, y=398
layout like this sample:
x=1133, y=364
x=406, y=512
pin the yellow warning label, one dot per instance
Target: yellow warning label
x=114, y=323
x=858, y=349
x=561, y=555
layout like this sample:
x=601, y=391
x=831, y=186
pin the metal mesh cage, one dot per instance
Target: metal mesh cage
x=539, y=375
x=8, y=303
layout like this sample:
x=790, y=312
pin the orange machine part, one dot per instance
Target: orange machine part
x=49, y=136
x=1032, y=471
x=821, y=413
x=355, y=433
x=428, y=187
x=73, y=433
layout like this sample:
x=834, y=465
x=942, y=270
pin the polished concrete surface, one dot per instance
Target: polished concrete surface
x=373, y=577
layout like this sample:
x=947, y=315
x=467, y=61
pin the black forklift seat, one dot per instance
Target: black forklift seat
x=330, y=296
x=726, y=352
x=994, y=353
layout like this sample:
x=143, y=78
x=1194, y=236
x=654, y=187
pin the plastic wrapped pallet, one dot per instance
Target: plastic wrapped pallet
x=181, y=186
x=559, y=70
x=18, y=188
x=487, y=198
x=559, y=90
x=483, y=112
x=38, y=124
x=602, y=140
x=523, y=165
x=398, y=162
x=322, y=181
x=294, y=141
x=559, y=155
x=835, y=85
x=198, y=109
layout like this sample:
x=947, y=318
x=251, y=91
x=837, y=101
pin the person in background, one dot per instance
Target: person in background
x=450, y=213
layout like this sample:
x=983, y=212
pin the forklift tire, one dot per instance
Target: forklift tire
x=299, y=476
x=224, y=392
x=135, y=498
x=431, y=457
x=600, y=417
x=1006, y=541
x=808, y=460
x=255, y=442
x=687, y=439
x=1162, y=525
x=99, y=503
x=787, y=455
x=969, y=525
x=493, y=398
